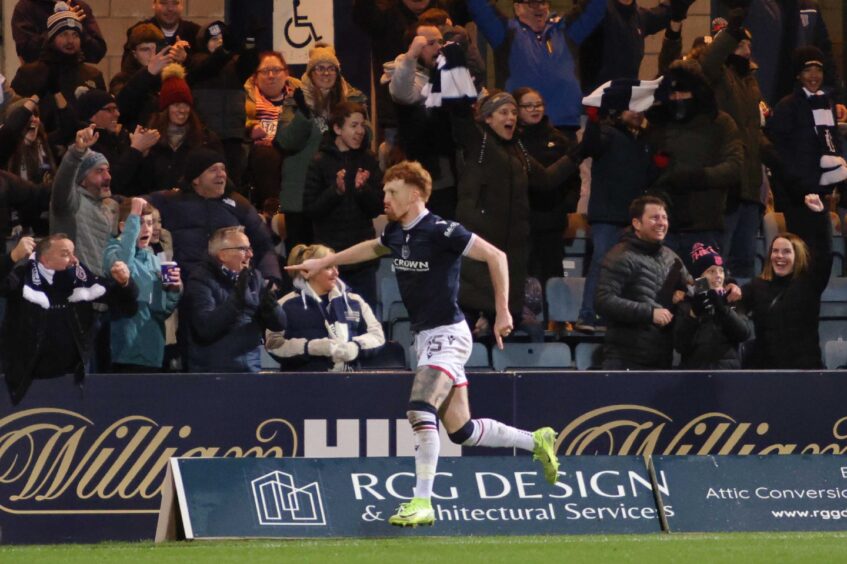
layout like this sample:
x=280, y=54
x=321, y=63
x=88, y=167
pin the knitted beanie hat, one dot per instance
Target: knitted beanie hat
x=91, y=102
x=174, y=88
x=322, y=54
x=492, y=103
x=702, y=258
x=61, y=19
x=807, y=56
x=198, y=160
x=89, y=161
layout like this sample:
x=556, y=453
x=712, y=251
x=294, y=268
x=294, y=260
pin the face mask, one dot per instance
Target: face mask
x=681, y=110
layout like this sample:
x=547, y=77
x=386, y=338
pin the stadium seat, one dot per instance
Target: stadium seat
x=564, y=297
x=834, y=298
x=391, y=303
x=831, y=330
x=268, y=362
x=401, y=331
x=588, y=356
x=392, y=355
x=835, y=354
x=532, y=355
x=479, y=357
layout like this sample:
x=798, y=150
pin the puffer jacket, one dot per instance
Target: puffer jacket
x=309, y=317
x=637, y=277
x=226, y=333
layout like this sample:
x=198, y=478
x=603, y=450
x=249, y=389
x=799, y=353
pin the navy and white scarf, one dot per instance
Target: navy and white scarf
x=78, y=284
x=833, y=166
x=451, y=81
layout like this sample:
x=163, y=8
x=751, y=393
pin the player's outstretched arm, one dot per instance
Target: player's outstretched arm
x=366, y=250
x=498, y=269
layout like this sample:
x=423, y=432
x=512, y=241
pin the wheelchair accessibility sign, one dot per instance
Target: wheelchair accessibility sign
x=299, y=25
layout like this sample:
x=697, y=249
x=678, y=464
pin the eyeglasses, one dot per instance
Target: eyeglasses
x=325, y=70
x=244, y=250
x=535, y=106
x=272, y=71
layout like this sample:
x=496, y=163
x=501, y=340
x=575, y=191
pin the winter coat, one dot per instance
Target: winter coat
x=711, y=340
x=637, y=277
x=548, y=210
x=309, y=317
x=31, y=79
x=192, y=220
x=620, y=171
x=342, y=220
x=17, y=195
x=298, y=137
x=543, y=60
x=616, y=48
x=45, y=343
x=140, y=339
x=791, y=128
x=738, y=95
x=163, y=167
x=348, y=93
x=226, y=332
x=786, y=310
x=493, y=202
x=708, y=149
x=29, y=30
x=87, y=221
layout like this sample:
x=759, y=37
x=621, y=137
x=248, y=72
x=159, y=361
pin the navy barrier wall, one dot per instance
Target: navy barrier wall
x=88, y=465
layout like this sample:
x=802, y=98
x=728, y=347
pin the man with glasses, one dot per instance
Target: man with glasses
x=205, y=202
x=123, y=150
x=534, y=49
x=229, y=306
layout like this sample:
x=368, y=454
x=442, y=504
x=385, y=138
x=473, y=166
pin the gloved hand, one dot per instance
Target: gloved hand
x=718, y=301
x=346, y=352
x=300, y=100
x=321, y=347
x=247, y=289
x=701, y=304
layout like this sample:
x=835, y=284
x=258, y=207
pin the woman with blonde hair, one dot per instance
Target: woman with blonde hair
x=784, y=301
x=329, y=328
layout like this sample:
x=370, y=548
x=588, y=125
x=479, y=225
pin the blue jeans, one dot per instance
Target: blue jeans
x=739, y=244
x=604, y=236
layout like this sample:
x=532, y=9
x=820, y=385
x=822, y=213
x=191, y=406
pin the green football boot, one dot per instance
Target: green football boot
x=545, y=452
x=416, y=512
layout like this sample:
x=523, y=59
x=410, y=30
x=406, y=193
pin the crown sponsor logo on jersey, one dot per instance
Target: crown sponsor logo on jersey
x=280, y=502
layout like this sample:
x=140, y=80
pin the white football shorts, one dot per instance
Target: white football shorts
x=446, y=348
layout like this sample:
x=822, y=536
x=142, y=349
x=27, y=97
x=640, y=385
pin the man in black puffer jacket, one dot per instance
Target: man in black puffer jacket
x=638, y=290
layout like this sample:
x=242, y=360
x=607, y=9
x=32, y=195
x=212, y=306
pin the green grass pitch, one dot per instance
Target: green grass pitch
x=684, y=548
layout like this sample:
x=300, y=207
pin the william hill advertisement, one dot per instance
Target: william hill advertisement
x=86, y=465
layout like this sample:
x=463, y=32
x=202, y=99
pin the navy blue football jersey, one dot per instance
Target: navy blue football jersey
x=427, y=258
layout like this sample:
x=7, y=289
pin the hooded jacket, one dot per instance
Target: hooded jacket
x=140, y=339
x=343, y=315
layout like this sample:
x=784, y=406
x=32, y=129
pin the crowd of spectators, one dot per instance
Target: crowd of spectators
x=105, y=187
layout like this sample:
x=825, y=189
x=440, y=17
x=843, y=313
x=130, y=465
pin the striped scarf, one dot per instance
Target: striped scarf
x=833, y=166
x=267, y=114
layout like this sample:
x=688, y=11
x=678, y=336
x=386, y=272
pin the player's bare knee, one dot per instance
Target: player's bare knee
x=463, y=434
